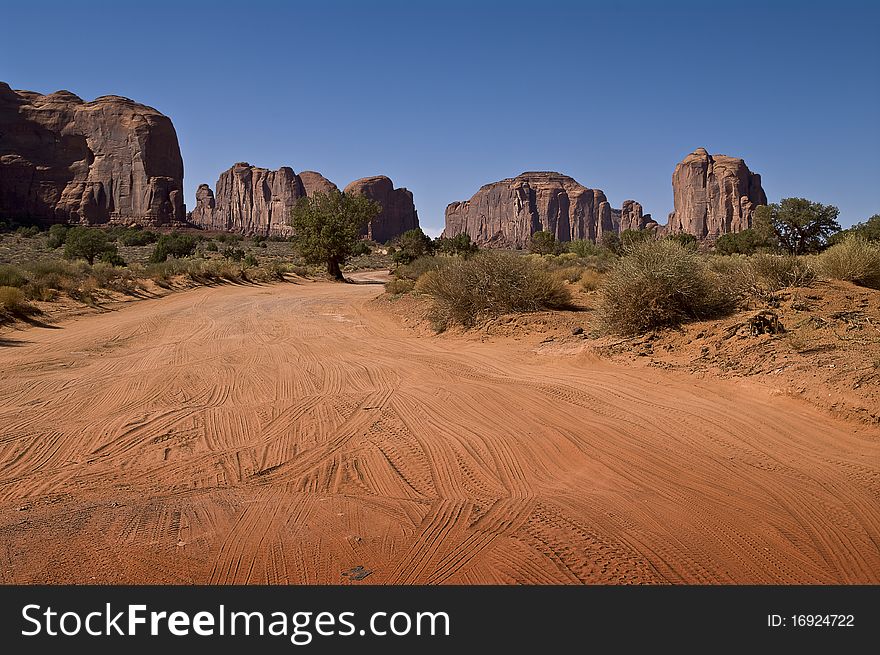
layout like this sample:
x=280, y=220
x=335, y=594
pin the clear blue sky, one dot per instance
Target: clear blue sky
x=446, y=96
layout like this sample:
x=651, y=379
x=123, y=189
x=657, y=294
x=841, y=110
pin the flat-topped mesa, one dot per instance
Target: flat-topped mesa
x=398, y=213
x=713, y=195
x=507, y=213
x=110, y=160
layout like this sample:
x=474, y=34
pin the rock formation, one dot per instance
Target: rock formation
x=507, y=213
x=316, y=183
x=713, y=195
x=631, y=217
x=258, y=201
x=398, y=210
x=111, y=160
x=250, y=200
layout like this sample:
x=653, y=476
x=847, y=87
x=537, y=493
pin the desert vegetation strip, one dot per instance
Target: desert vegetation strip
x=289, y=434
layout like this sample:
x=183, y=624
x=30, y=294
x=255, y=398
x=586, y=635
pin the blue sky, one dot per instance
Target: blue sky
x=444, y=97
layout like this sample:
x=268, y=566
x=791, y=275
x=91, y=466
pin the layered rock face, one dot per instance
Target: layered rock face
x=507, y=213
x=714, y=195
x=250, y=200
x=632, y=218
x=111, y=160
x=255, y=200
x=398, y=209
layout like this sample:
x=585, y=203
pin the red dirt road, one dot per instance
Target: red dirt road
x=290, y=433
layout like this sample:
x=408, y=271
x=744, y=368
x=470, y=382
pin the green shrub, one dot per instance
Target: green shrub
x=658, y=284
x=399, y=285
x=233, y=254
x=418, y=267
x=57, y=236
x=854, y=259
x=746, y=242
x=611, y=242
x=629, y=238
x=685, y=239
x=211, y=247
x=585, y=248
x=87, y=243
x=543, y=243
x=137, y=237
x=11, y=276
x=360, y=248
x=173, y=245
x=27, y=232
x=465, y=291
x=460, y=245
x=112, y=258
x=250, y=260
x=411, y=245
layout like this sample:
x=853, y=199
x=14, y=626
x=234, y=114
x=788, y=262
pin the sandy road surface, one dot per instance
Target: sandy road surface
x=290, y=433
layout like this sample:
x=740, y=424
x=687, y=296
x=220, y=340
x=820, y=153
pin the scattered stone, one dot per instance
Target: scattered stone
x=577, y=330
x=358, y=573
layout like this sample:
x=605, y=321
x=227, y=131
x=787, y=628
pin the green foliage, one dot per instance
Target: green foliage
x=611, y=242
x=799, y=225
x=137, y=237
x=112, y=258
x=855, y=259
x=685, y=239
x=328, y=226
x=11, y=276
x=228, y=238
x=211, y=247
x=87, y=243
x=465, y=291
x=411, y=245
x=175, y=245
x=658, y=284
x=585, y=248
x=233, y=254
x=57, y=236
x=543, y=243
x=746, y=242
x=250, y=260
x=360, y=248
x=418, y=267
x=868, y=230
x=460, y=245
x=27, y=232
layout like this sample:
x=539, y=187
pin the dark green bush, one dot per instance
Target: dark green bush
x=173, y=245
x=57, y=236
x=87, y=243
x=543, y=243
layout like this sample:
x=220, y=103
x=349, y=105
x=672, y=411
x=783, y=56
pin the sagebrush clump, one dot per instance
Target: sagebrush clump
x=855, y=259
x=660, y=284
x=464, y=291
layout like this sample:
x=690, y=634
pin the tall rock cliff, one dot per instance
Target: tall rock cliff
x=713, y=195
x=398, y=213
x=507, y=213
x=111, y=160
x=250, y=200
x=258, y=201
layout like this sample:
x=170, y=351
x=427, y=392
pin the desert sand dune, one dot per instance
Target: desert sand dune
x=291, y=433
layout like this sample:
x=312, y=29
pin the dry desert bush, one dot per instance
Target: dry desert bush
x=855, y=259
x=660, y=284
x=464, y=291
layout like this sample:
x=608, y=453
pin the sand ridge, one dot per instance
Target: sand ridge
x=292, y=433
